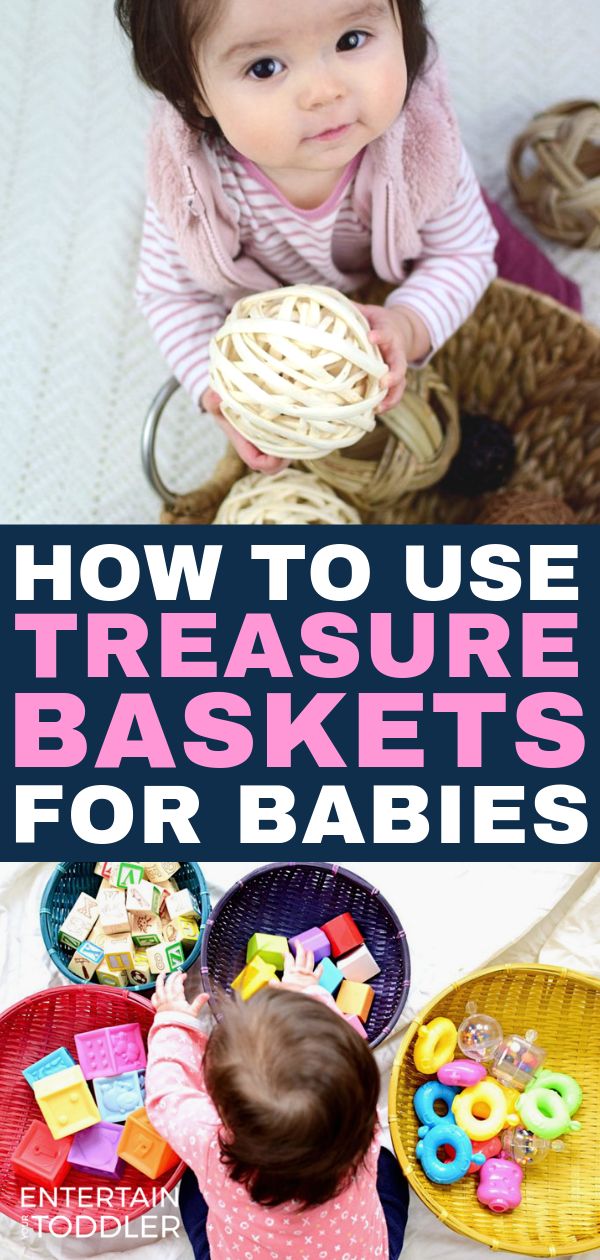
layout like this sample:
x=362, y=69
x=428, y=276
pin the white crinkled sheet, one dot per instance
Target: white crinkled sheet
x=541, y=911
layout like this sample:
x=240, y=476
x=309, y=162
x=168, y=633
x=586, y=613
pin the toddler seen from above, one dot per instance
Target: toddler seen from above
x=275, y=1113
x=302, y=143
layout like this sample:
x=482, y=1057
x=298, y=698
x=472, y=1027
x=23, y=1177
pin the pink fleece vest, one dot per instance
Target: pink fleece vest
x=407, y=176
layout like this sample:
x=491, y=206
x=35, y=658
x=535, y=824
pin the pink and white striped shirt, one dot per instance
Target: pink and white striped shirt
x=328, y=245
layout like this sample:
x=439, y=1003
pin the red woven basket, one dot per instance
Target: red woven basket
x=29, y=1030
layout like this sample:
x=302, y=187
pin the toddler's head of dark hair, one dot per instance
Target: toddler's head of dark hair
x=167, y=36
x=296, y=1089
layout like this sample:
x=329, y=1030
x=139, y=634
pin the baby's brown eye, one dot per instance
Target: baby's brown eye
x=266, y=68
x=352, y=40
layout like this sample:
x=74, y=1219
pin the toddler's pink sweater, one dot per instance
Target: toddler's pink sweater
x=350, y=1227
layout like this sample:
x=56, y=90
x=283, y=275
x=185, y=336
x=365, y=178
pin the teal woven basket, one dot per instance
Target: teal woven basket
x=72, y=878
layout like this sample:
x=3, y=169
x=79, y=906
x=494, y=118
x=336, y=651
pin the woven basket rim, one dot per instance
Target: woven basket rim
x=51, y=946
x=576, y=317
x=335, y=868
x=69, y=996
x=406, y=1163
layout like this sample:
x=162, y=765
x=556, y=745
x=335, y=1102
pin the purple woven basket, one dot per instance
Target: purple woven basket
x=289, y=897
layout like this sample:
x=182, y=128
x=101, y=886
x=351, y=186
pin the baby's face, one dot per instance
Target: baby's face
x=303, y=85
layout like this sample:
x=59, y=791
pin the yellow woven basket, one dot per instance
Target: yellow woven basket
x=560, y=1212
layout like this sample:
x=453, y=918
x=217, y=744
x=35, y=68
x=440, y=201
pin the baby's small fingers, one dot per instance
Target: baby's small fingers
x=309, y=964
x=319, y=971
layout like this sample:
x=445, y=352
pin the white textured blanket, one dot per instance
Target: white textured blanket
x=78, y=364
x=546, y=912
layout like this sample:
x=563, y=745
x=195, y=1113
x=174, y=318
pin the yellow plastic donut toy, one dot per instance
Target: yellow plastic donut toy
x=435, y=1045
x=481, y=1110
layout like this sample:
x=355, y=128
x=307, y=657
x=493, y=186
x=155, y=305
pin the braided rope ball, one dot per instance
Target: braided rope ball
x=289, y=497
x=524, y=507
x=296, y=371
x=562, y=191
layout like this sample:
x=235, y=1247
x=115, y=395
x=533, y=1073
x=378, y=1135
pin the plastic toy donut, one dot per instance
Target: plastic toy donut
x=425, y=1099
x=462, y=1072
x=569, y=1089
x=481, y=1110
x=454, y=1142
x=544, y=1113
x=435, y=1045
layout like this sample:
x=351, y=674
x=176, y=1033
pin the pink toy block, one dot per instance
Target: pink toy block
x=110, y=1051
x=94, y=1151
x=40, y=1159
x=500, y=1185
x=355, y=1023
x=343, y=934
x=313, y=939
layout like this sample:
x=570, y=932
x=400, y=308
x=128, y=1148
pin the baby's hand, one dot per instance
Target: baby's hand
x=170, y=996
x=246, y=450
x=402, y=338
x=299, y=972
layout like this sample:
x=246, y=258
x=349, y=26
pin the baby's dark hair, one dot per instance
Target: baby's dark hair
x=166, y=35
x=296, y=1089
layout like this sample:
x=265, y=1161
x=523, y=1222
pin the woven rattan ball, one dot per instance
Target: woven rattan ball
x=524, y=508
x=296, y=371
x=561, y=192
x=289, y=497
x=410, y=449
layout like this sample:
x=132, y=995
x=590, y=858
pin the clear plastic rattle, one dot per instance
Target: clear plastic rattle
x=479, y=1035
x=525, y=1148
x=517, y=1059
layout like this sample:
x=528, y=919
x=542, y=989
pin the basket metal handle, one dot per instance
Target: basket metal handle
x=149, y=435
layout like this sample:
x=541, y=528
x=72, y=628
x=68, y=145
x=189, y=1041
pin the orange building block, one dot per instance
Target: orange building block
x=144, y=1148
x=355, y=998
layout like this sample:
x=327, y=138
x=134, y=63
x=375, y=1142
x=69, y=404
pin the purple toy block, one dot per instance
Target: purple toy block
x=94, y=1151
x=313, y=939
x=111, y=1051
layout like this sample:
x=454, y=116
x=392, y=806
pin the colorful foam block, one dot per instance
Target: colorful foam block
x=314, y=940
x=359, y=965
x=53, y=1062
x=86, y=960
x=343, y=934
x=40, y=1159
x=256, y=975
x=331, y=978
x=143, y=1148
x=355, y=998
x=272, y=949
x=110, y=1051
x=65, y=1102
x=94, y=1151
x=355, y=1023
x=142, y=1080
x=118, y=1096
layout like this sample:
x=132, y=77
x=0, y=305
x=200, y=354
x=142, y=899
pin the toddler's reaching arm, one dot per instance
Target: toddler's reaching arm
x=176, y=1099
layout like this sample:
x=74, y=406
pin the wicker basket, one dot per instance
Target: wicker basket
x=560, y=1212
x=291, y=897
x=522, y=359
x=71, y=878
x=28, y=1031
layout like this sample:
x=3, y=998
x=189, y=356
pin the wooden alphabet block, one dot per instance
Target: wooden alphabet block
x=140, y=973
x=127, y=873
x=113, y=979
x=182, y=904
x=145, y=928
x=86, y=960
x=103, y=869
x=74, y=930
x=113, y=916
x=119, y=952
x=144, y=896
x=185, y=930
x=160, y=872
x=164, y=958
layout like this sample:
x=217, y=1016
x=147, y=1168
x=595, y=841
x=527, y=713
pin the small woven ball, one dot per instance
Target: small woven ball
x=522, y=507
x=485, y=458
x=290, y=497
x=561, y=192
x=296, y=371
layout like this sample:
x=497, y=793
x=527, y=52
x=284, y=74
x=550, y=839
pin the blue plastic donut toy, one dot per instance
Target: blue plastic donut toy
x=446, y=1134
x=426, y=1097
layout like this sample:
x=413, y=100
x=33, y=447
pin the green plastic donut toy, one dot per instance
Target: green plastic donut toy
x=544, y=1113
x=569, y=1089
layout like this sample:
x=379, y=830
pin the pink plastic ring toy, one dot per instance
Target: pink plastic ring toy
x=462, y=1072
